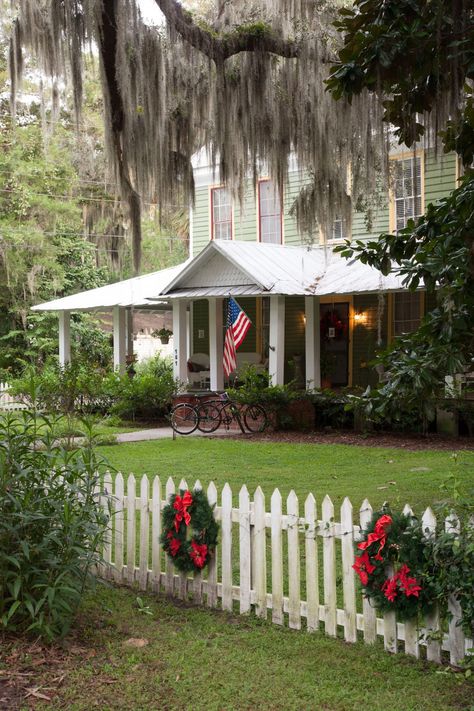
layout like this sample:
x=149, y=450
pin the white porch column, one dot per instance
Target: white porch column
x=276, y=360
x=64, y=337
x=180, y=368
x=216, y=344
x=312, y=343
x=129, y=330
x=119, y=339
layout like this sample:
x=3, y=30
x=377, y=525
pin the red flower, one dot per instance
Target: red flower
x=175, y=545
x=389, y=588
x=363, y=567
x=198, y=554
x=379, y=534
x=410, y=586
x=181, y=505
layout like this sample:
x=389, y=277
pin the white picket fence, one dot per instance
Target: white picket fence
x=7, y=401
x=250, y=539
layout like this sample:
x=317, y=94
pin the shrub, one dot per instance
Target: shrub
x=254, y=388
x=148, y=395
x=51, y=526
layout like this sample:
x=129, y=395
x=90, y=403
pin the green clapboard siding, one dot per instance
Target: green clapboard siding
x=440, y=176
x=294, y=333
x=364, y=339
x=201, y=220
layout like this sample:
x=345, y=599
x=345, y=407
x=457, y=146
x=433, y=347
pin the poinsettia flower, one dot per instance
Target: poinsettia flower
x=409, y=586
x=175, y=545
x=363, y=567
x=389, y=588
x=198, y=554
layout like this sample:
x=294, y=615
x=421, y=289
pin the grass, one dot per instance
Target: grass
x=376, y=473
x=197, y=659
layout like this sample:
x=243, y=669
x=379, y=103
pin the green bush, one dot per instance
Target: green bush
x=254, y=387
x=51, y=526
x=148, y=395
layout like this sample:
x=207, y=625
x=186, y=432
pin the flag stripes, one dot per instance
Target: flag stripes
x=238, y=323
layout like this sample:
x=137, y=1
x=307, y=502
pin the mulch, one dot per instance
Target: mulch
x=392, y=440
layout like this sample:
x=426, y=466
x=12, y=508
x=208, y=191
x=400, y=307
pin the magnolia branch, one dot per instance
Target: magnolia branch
x=246, y=38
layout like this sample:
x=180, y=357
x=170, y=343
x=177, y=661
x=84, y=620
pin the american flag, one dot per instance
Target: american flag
x=238, y=323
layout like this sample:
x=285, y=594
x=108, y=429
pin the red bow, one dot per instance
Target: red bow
x=181, y=505
x=379, y=534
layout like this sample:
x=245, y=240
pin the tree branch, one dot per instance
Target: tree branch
x=245, y=38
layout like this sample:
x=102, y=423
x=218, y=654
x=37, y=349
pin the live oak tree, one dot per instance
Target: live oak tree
x=249, y=81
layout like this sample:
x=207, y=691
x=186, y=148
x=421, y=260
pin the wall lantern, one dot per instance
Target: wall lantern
x=360, y=318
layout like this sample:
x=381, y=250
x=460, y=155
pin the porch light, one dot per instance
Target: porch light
x=360, y=318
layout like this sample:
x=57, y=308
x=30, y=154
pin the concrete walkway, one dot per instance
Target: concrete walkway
x=167, y=433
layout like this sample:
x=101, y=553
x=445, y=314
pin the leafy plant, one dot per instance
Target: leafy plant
x=51, y=526
x=254, y=388
x=147, y=395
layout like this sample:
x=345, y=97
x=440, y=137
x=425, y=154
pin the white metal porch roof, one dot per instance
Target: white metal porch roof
x=130, y=292
x=256, y=269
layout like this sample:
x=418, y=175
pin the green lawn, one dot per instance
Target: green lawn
x=379, y=474
x=199, y=660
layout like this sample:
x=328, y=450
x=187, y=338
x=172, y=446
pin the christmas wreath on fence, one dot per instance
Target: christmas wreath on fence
x=189, y=530
x=393, y=565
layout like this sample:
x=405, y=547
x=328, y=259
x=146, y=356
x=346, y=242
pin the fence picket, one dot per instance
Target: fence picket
x=294, y=601
x=457, y=641
x=311, y=554
x=329, y=567
x=118, y=503
x=155, y=534
x=106, y=503
x=277, y=558
x=245, y=550
x=226, y=529
x=131, y=528
x=348, y=582
x=260, y=566
x=169, y=569
x=433, y=645
x=144, y=532
x=369, y=612
x=197, y=581
x=412, y=646
x=212, y=568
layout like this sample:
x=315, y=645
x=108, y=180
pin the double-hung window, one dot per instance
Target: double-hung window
x=407, y=307
x=269, y=210
x=407, y=193
x=221, y=213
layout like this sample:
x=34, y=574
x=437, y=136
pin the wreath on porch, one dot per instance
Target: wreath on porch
x=190, y=531
x=393, y=565
x=332, y=319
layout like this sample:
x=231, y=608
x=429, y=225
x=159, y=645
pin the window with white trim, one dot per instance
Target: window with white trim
x=221, y=213
x=407, y=191
x=337, y=234
x=269, y=210
x=406, y=312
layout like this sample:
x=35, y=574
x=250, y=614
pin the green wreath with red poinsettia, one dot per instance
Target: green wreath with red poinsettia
x=393, y=565
x=190, y=530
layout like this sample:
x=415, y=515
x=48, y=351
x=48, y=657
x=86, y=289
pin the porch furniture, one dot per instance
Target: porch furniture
x=199, y=370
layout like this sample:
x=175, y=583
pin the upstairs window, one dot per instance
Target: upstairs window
x=407, y=191
x=406, y=312
x=269, y=210
x=337, y=234
x=221, y=213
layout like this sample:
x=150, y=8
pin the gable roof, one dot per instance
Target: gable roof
x=130, y=292
x=249, y=268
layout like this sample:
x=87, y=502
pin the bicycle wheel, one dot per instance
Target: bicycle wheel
x=209, y=417
x=255, y=418
x=184, y=418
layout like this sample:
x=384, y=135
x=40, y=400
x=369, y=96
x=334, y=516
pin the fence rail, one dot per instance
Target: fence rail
x=310, y=580
x=7, y=401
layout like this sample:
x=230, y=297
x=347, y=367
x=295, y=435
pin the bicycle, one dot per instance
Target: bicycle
x=213, y=413
x=184, y=418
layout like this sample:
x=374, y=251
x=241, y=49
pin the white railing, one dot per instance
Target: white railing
x=7, y=401
x=313, y=582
